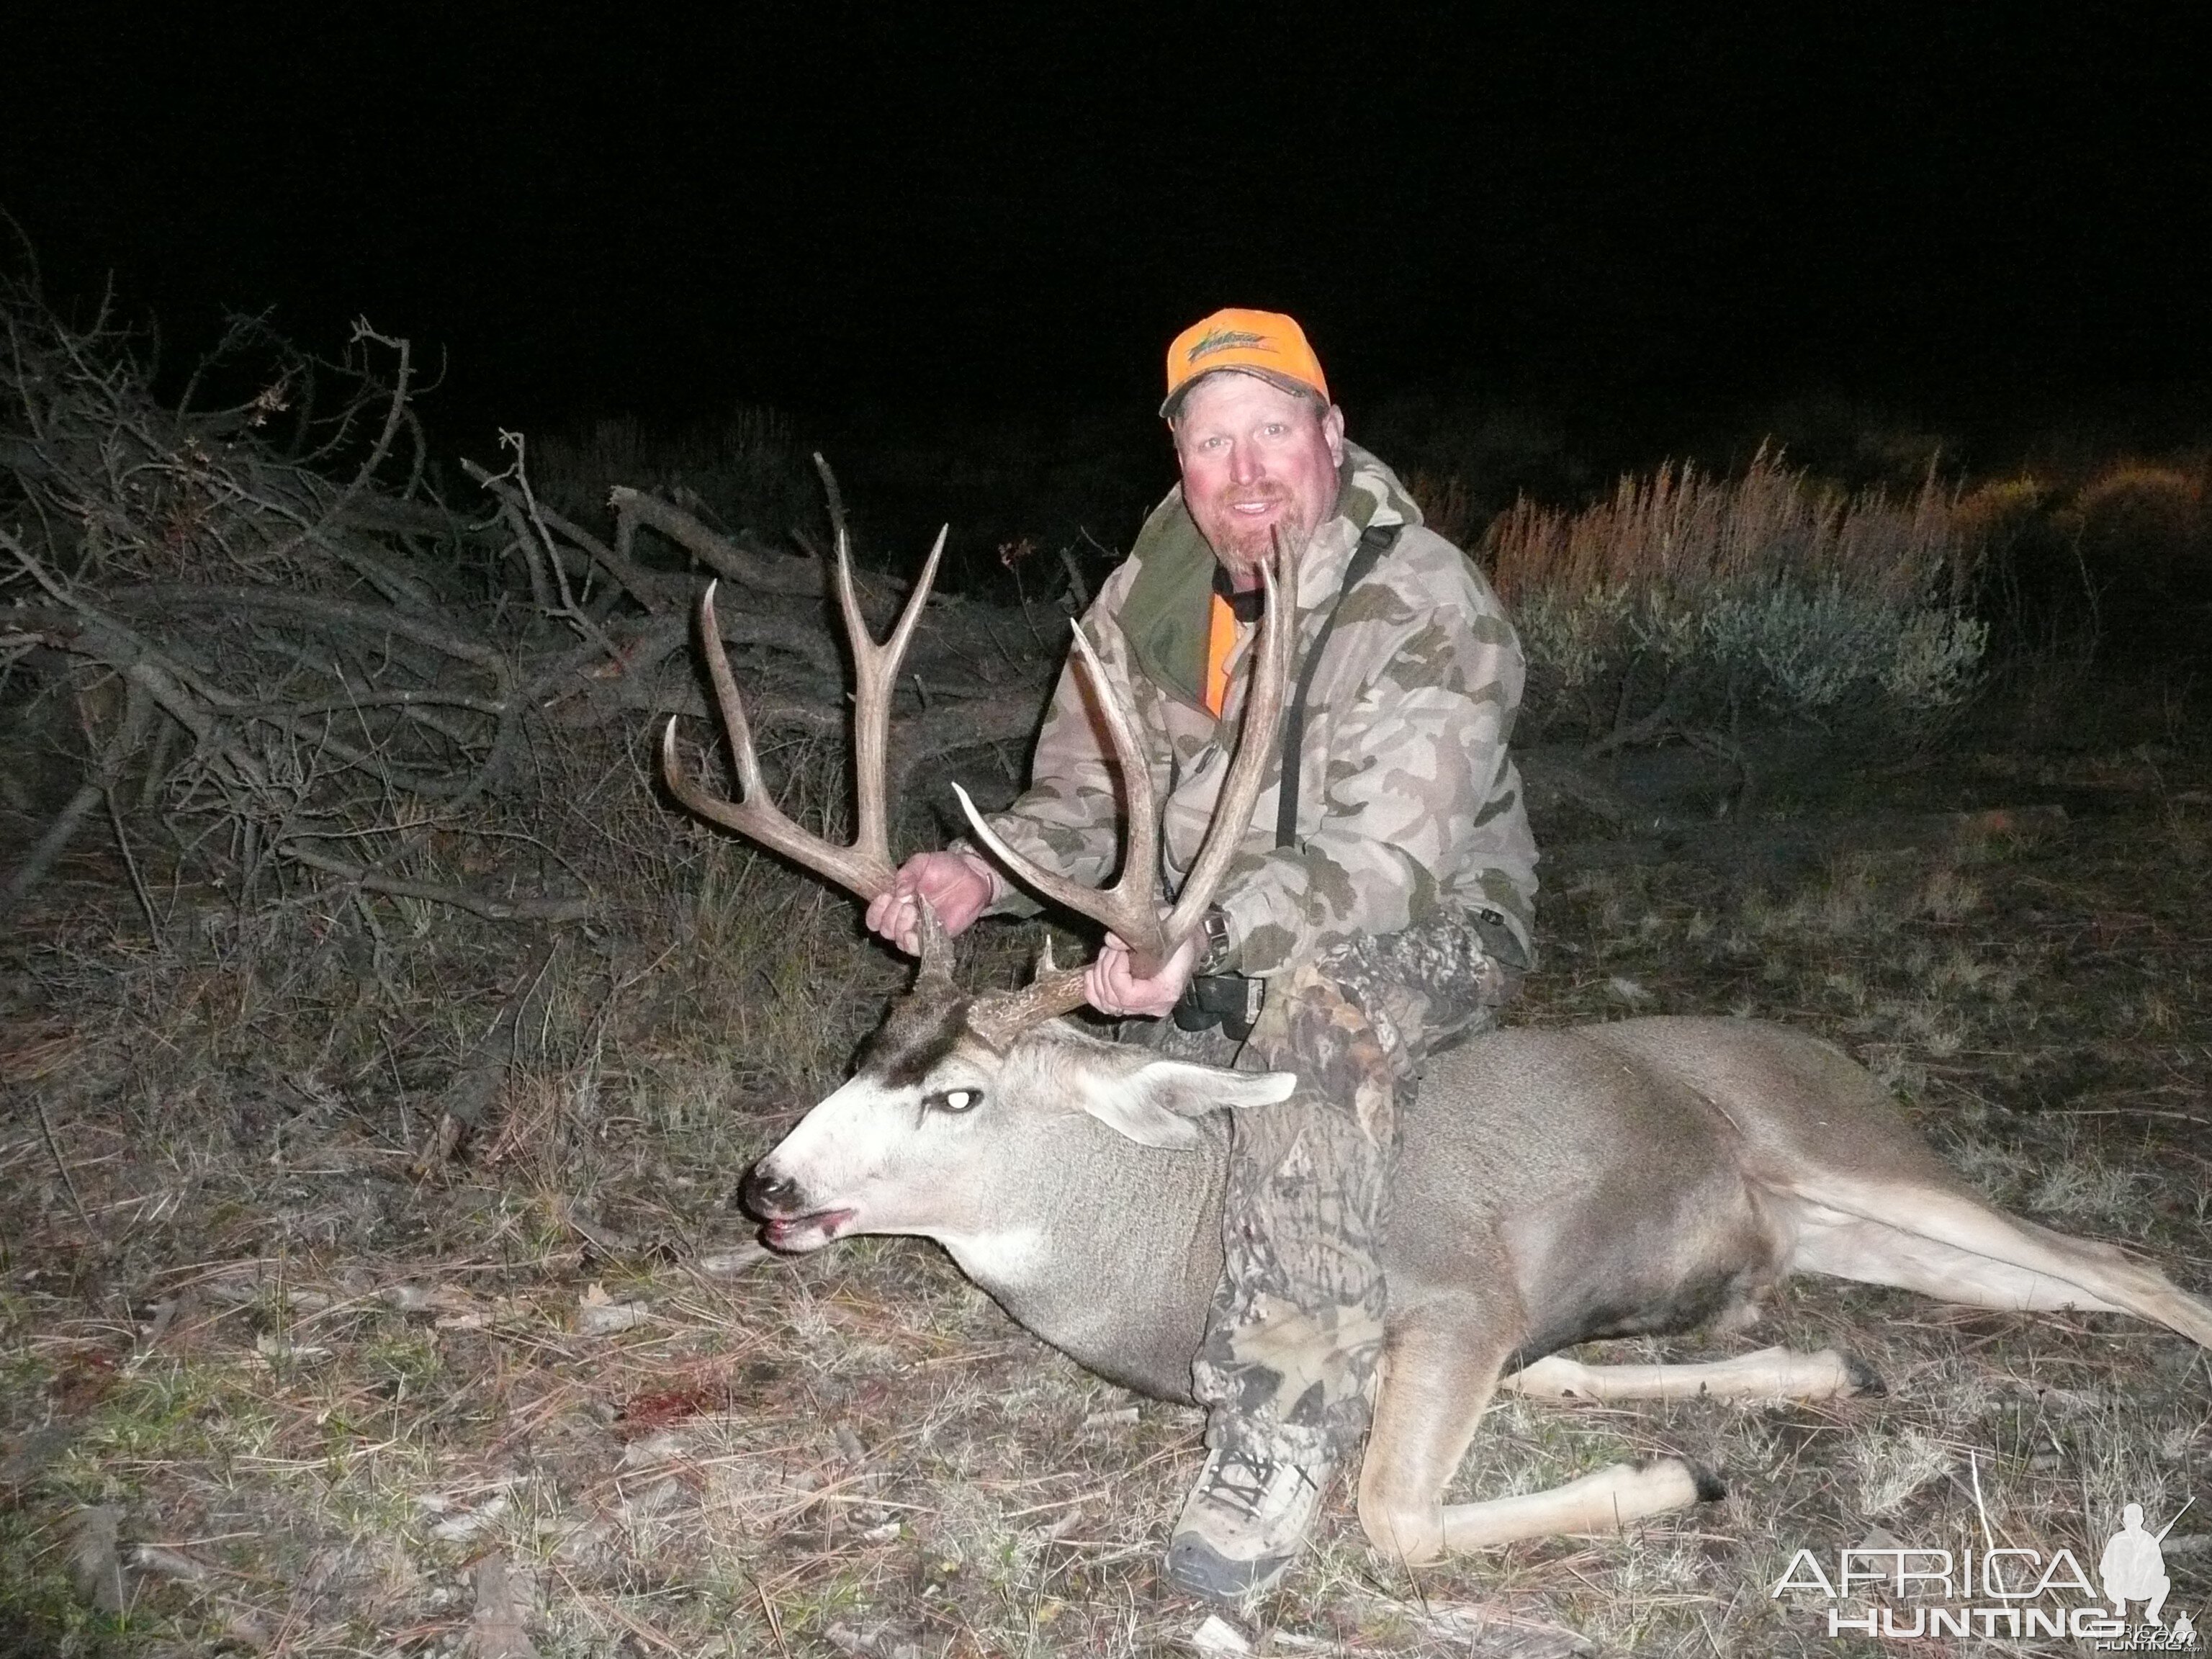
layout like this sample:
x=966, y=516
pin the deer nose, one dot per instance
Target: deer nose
x=768, y=1195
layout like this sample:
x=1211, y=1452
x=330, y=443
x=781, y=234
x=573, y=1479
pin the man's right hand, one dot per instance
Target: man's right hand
x=958, y=886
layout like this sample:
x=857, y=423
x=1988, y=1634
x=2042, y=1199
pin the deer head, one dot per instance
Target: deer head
x=954, y=1088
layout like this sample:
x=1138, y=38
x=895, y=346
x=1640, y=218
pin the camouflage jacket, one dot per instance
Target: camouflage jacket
x=1408, y=801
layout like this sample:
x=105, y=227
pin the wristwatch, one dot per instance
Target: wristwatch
x=1219, y=949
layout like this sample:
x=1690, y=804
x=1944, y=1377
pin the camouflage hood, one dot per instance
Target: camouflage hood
x=1164, y=618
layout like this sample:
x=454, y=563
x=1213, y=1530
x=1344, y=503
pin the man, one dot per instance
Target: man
x=1396, y=912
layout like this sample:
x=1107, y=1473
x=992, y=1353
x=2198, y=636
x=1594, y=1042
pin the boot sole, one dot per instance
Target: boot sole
x=1196, y=1568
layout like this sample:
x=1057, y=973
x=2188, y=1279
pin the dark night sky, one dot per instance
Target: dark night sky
x=821, y=208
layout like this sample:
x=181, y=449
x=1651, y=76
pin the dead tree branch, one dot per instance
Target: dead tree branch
x=293, y=664
x=481, y=904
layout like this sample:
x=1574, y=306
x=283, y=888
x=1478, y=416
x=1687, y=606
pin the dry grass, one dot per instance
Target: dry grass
x=2145, y=530
x=1682, y=531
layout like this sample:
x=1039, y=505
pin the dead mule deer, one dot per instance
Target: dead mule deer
x=1553, y=1186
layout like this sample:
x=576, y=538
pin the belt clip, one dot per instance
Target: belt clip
x=1232, y=1001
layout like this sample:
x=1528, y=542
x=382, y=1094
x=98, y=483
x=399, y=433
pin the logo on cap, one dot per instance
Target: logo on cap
x=1224, y=339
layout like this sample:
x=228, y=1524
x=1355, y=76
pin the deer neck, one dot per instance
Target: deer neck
x=1109, y=1250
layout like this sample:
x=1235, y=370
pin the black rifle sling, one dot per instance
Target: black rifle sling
x=1373, y=544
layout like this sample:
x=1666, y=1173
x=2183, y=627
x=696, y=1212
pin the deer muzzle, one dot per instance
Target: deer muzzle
x=789, y=1221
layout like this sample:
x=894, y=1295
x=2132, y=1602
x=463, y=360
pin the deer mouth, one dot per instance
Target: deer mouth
x=798, y=1234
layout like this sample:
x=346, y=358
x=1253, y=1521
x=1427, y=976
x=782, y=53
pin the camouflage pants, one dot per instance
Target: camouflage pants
x=1289, y=1358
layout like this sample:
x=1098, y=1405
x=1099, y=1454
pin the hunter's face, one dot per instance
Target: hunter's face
x=1257, y=461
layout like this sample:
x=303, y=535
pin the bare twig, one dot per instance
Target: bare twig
x=480, y=904
x=61, y=1166
x=766, y=572
x=48, y=847
x=131, y=863
x=639, y=585
x=99, y=785
x=534, y=531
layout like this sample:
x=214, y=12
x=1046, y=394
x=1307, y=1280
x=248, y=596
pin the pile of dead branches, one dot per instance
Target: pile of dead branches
x=270, y=657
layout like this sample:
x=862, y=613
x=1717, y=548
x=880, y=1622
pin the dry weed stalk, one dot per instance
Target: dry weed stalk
x=1691, y=533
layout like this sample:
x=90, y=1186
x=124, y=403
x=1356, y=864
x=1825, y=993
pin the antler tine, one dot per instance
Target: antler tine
x=999, y=1016
x=1257, y=740
x=875, y=683
x=1131, y=905
x=755, y=814
x=936, y=952
x=998, y=1019
x=875, y=674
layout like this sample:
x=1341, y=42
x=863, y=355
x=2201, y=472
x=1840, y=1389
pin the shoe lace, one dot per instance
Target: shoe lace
x=1245, y=1480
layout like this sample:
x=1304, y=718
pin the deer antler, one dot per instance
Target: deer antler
x=866, y=866
x=1130, y=907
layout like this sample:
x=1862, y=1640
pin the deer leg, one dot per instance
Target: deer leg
x=1611, y=1500
x=1769, y=1374
x=1440, y=1367
x=1954, y=1247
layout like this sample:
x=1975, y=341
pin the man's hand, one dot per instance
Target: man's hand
x=1112, y=987
x=958, y=886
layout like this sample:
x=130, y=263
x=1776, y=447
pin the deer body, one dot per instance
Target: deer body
x=1117, y=1250
x=1109, y=1250
x=1553, y=1187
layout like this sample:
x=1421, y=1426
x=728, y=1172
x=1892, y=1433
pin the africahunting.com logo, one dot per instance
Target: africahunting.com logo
x=1892, y=1590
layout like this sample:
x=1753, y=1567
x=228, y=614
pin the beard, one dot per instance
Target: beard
x=1242, y=544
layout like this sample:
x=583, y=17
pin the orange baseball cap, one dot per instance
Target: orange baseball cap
x=1262, y=342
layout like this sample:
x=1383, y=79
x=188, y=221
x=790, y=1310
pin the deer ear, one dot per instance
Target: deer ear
x=1154, y=1102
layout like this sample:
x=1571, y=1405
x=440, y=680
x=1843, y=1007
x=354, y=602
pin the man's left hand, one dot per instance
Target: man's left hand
x=1113, y=987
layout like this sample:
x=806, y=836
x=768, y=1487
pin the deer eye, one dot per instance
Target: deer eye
x=954, y=1100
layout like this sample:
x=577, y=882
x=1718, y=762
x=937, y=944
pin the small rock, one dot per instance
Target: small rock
x=728, y=1264
x=662, y=1448
x=170, y=1564
x=1217, y=1635
x=456, y=1528
x=496, y=1626
x=595, y=1320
